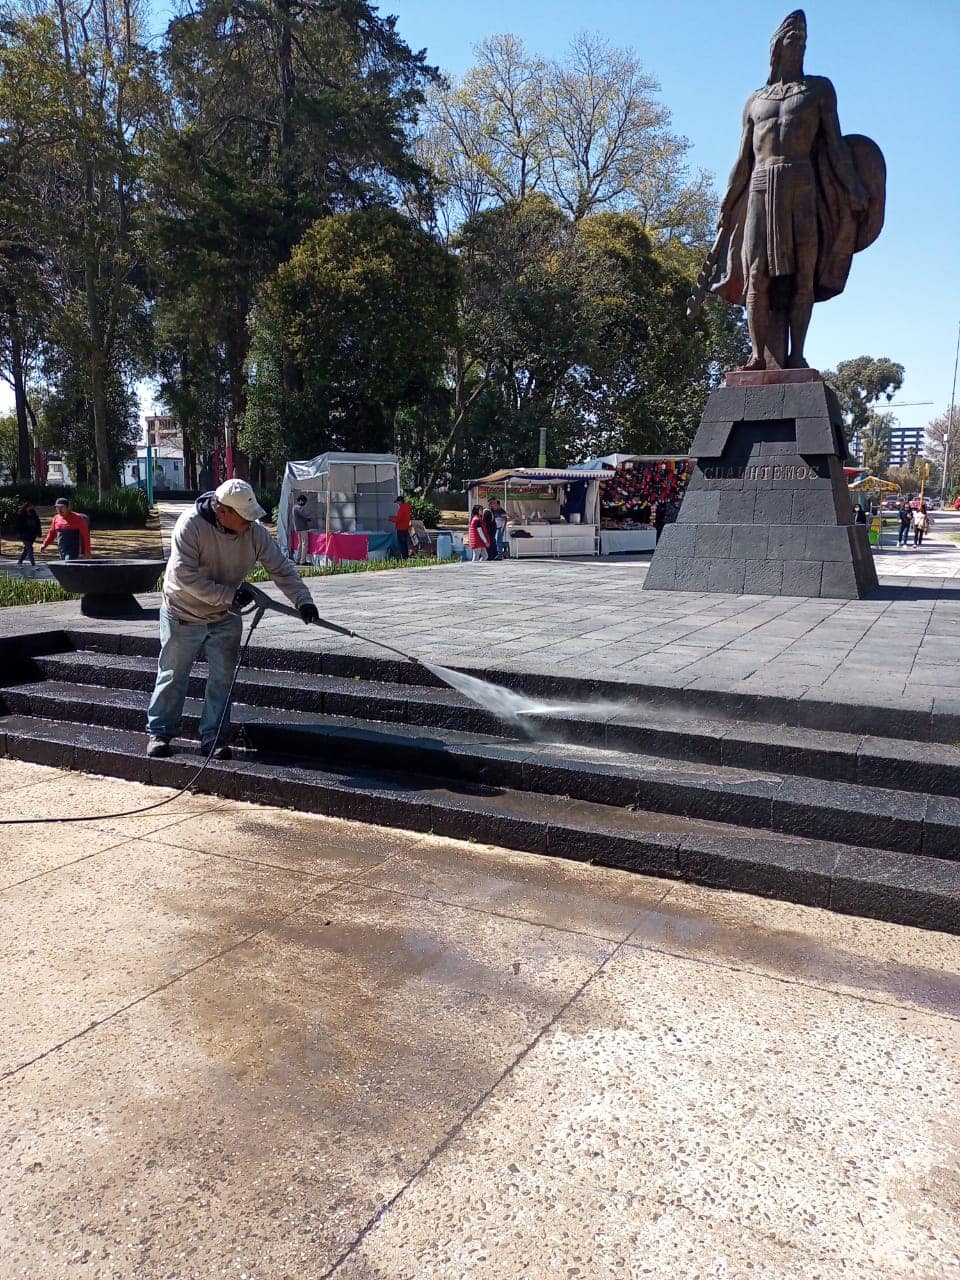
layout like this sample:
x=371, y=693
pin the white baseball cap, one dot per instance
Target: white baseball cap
x=239, y=496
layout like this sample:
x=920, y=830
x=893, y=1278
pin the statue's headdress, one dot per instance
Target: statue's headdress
x=793, y=22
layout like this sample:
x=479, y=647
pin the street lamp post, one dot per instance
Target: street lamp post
x=945, y=481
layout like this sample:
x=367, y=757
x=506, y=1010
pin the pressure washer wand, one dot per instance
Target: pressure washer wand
x=262, y=601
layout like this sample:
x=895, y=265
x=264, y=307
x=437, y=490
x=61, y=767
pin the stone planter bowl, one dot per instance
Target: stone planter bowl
x=107, y=587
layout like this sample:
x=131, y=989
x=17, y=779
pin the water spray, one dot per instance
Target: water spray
x=489, y=696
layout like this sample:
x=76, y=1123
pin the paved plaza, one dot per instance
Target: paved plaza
x=242, y=1042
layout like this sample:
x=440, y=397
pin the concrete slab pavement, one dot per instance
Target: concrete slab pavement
x=262, y=1044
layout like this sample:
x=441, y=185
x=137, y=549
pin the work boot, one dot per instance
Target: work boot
x=157, y=747
x=222, y=752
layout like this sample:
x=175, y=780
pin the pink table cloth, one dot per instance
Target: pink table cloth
x=338, y=546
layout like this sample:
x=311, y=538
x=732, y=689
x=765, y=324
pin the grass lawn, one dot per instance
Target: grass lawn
x=112, y=544
x=146, y=544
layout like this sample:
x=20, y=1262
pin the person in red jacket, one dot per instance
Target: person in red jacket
x=71, y=532
x=402, y=521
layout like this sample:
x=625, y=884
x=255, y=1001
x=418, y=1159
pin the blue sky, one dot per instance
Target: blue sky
x=894, y=66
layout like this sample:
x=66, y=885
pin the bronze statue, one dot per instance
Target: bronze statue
x=800, y=202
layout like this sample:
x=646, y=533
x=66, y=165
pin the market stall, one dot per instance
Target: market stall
x=550, y=512
x=632, y=487
x=871, y=490
x=347, y=494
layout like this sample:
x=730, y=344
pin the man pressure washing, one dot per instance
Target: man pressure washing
x=214, y=547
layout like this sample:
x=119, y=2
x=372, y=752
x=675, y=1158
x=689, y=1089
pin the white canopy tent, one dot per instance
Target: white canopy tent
x=347, y=493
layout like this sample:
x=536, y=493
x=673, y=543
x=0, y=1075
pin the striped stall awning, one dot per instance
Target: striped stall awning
x=528, y=474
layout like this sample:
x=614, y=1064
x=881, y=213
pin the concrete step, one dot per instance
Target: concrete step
x=292, y=691
x=871, y=816
x=660, y=702
x=883, y=717
x=899, y=765
x=881, y=884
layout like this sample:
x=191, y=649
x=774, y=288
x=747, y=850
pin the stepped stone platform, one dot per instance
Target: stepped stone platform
x=767, y=508
x=827, y=797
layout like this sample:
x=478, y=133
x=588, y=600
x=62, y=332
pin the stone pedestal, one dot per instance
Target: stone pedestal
x=767, y=509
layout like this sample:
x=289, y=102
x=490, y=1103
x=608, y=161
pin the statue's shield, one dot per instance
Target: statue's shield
x=872, y=172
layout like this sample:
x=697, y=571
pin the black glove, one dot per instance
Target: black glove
x=242, y=597
x=308, y=612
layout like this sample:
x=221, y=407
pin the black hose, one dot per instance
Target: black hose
x=262, y=603
x=129, y=813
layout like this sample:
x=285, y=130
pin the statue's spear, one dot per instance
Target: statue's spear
x=707, y=272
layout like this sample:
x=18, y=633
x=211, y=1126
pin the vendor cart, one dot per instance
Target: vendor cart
x=550, y=512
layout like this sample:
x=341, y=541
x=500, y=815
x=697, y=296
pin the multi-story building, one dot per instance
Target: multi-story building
x=903, y=440
x=162, y=432
x=166, y=449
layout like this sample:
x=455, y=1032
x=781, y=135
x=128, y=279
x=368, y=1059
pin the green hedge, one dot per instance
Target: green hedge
x=8, y=513
x=14, y=591
x=119, y=508
x=425, y=510
x=269, y=499
x=41, y=495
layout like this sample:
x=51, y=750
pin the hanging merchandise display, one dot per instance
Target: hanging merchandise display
x=639, y=493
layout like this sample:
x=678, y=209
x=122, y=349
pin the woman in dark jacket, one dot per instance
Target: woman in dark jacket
x=28, y=529
x=490, y=528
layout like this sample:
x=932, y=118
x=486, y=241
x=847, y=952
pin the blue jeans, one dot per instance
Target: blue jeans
x=179, y=645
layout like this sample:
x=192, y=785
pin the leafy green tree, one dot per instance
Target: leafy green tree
x=9, y=459
x=28, y=53
x=875, y=439
x=286, y=111
x=67, y=424
x=352, y=330
x=577, y=326
x=568, y=200
x=860, y=384
x=939, y=431
x=656, y=367
x=533, y=318
x=96, y=102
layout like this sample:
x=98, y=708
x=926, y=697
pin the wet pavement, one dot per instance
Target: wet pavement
x=239, y=1041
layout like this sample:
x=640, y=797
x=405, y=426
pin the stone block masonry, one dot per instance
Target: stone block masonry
x=767, y=509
